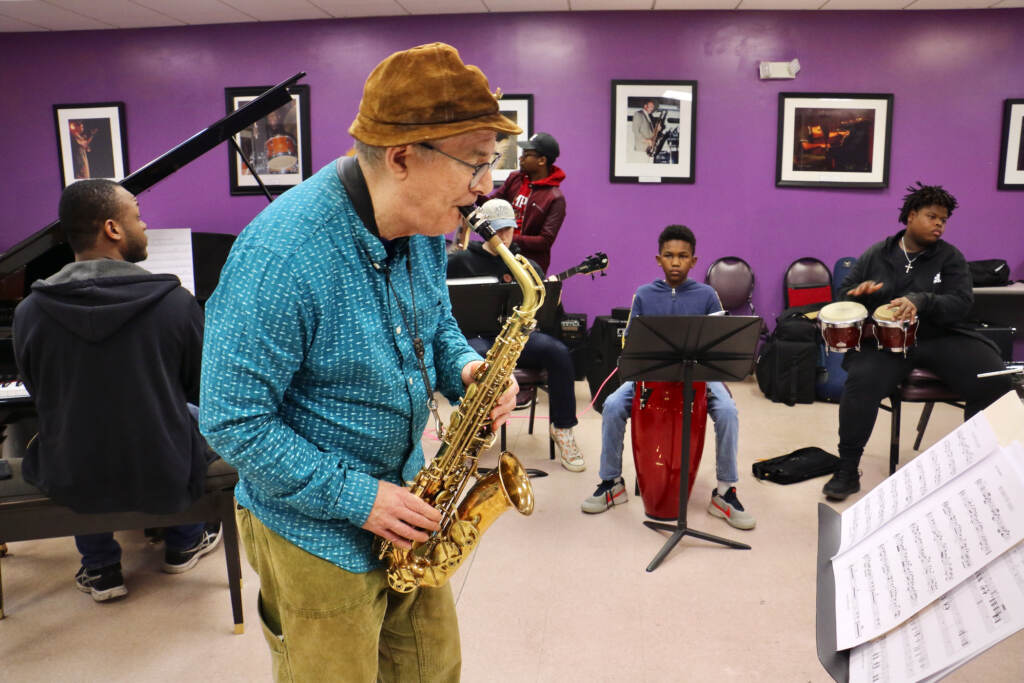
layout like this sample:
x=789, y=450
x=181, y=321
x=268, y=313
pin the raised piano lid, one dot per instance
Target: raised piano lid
x=45, y=252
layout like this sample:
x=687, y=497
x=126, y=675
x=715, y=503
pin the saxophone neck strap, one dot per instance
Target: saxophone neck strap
x=417, y=341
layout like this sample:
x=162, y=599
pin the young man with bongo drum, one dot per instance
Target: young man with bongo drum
x=918, y=278
x=674, y=295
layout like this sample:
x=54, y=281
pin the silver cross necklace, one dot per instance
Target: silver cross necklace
x=910, y=261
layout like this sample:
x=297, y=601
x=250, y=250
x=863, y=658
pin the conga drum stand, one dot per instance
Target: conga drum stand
x=688, y=349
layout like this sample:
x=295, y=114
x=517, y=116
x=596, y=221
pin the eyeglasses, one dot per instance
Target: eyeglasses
x=479, y=170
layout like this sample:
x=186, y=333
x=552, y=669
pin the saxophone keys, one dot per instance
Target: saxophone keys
x=465, y=534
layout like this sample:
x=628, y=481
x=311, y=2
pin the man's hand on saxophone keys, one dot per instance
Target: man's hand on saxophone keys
x=400, y=517
x=506, y=402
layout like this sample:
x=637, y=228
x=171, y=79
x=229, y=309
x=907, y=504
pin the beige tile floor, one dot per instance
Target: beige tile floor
x=558, y=596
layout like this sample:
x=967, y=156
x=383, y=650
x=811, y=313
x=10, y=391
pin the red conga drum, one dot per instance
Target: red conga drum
x=657, y=443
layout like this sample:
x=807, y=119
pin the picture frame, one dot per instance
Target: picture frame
x=1011, y=153
x=834, y=139
x=91, y=141
x=277, y=146
x=519, y=108
x=654, y=131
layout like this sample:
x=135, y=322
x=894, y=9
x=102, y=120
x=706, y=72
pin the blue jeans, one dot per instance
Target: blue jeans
x=721, y=408
x=101, y=550
x=544, y=352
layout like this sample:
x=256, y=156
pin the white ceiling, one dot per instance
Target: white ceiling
x=75, y=15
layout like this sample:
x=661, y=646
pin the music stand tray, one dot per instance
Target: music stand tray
x=688, y=349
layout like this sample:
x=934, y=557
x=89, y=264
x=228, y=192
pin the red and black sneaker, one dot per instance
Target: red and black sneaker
x=609, y=492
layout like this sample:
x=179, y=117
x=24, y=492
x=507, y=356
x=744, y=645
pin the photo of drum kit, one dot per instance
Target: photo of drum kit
x=269, y=144
x=844, y=324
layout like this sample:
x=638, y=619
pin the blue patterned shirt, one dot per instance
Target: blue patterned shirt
x=310, y=384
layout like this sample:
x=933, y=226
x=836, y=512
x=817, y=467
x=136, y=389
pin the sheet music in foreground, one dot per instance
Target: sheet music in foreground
x=983, y=610
x=926, y=552
x=170, y=251
x=955, y=452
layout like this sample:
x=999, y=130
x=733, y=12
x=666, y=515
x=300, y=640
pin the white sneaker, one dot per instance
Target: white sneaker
x=568, y=451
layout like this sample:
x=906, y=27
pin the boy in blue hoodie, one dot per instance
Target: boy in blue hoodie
x=675, y=295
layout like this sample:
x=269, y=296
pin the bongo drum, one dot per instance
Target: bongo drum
x=894, y=335
x=842, y=324
x=657, y=424
x=281, y=153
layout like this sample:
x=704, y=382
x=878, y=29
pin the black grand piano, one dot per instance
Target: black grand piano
x=26, y=513
x=45, y=252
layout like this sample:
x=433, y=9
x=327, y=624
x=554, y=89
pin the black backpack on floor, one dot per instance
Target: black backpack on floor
x=787, y=366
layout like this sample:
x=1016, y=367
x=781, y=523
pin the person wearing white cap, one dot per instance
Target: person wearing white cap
x=542, y=351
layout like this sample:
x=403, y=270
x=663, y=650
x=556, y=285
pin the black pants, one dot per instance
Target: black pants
x=873, y=375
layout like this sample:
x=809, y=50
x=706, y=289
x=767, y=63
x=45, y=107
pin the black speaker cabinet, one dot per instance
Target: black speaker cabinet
x=604, y=345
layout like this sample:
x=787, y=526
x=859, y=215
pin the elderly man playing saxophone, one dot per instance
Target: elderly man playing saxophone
x=325, y=337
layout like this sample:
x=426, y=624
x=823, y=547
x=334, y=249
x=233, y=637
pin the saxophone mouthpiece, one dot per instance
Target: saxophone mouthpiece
x=478, y=223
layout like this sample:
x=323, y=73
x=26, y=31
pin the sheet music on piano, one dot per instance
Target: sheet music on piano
x=170, y=251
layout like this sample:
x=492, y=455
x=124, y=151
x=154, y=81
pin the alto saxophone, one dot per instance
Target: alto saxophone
x=442, y=482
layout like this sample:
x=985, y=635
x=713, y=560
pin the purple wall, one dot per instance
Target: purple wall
x=949, y=71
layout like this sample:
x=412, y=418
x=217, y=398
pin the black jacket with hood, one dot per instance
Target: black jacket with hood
x=111, y=354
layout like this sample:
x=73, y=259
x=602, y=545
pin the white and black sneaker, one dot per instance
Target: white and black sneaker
x=105, y=583
x=608, y=493
x=179, y=561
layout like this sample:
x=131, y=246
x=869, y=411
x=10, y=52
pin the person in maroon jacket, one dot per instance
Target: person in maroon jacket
x=533, y=191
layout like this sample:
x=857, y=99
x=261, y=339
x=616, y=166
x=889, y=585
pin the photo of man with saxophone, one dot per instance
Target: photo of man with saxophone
x=326, y=336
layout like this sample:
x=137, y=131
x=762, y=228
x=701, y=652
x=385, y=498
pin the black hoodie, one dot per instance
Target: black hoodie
x=111, y=354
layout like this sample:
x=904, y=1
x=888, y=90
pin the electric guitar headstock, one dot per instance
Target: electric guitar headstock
x=594, y=263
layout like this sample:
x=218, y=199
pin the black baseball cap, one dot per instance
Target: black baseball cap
x=543, y=144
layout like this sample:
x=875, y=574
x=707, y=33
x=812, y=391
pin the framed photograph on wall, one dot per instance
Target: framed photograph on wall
x=277, y=146
x=519, y=108
x=91, y=141
x=654, y=131
x=833, y=140
x=1011, y=154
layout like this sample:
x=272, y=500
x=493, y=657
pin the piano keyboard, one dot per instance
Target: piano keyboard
x=10, y=391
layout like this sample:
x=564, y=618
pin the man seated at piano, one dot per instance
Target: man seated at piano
x=542, y=351
x=110, y=354
x=674, y=295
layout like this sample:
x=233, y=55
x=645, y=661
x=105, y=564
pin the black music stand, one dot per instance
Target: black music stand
x=688, y=349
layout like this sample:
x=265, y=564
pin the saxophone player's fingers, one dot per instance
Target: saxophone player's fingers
x=506, y=403
x=395, y=509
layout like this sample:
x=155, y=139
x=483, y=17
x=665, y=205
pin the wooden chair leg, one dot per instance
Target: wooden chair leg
x=229, y=529
x=922, y=423
x=894, y=435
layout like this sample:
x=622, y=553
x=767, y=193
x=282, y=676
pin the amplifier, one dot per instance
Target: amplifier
x=574, y=329
x=574, y=336
x=604, y=345
x=1002, y=336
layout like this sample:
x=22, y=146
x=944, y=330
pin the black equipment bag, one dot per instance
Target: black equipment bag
x=604, y=344
x=786, y=371
x=993, y=272
x=831, y=377
x=800, y=465
x=787, y=367
x=574, y=336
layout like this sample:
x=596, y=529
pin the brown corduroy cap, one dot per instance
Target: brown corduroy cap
x=426, y=93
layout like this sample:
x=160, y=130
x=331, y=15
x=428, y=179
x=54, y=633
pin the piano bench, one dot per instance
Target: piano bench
x=26, y=514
